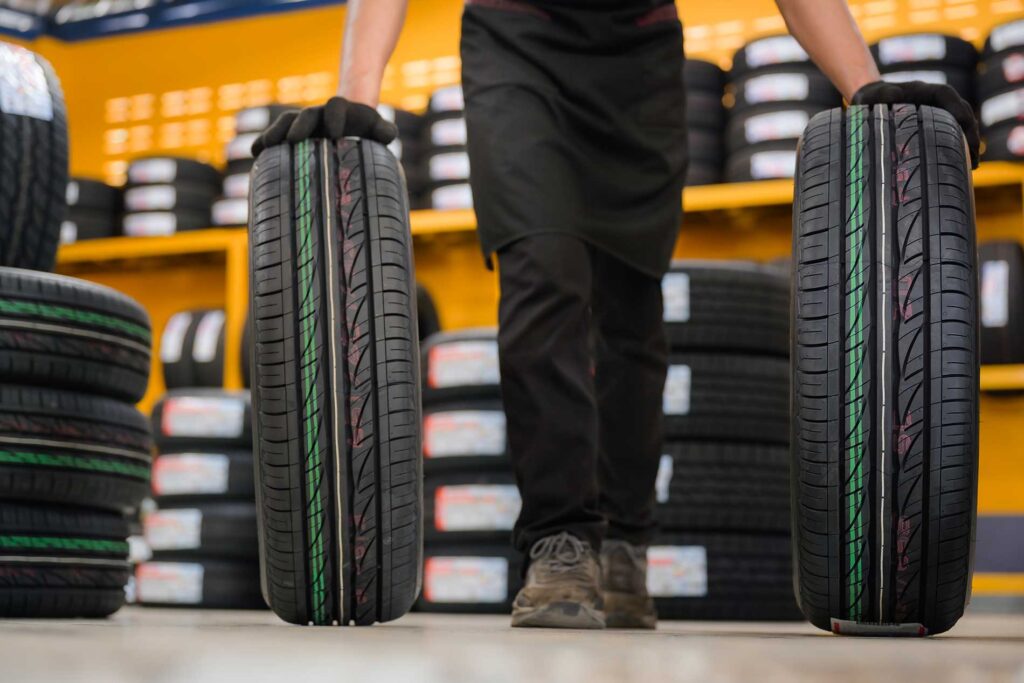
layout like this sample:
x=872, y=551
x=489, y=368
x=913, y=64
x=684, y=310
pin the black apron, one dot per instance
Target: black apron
x=576, y=120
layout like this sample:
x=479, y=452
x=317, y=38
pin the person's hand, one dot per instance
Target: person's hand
x=930, y=94
x=337, y=119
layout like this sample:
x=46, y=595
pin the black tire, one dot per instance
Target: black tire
x=176, y=349
x=767, y=51
x=705, y=110
x=704, y=147
x=202, y=418
x=258, y=119
x=72, y=449
x=916, y=541
x=726, y=305
x=223, y=530
x=798, y=84
x=473, y=579
x=203, y=476
x=479, y=507
x=1003, y=37
x=729, y=398
x=86, y=224
x=722, y=577
x=768, y=123
x=465, y=436
x=1001, y=267
x=227, y=212
x=461, y=365
x=1005, y=143
x=34, y=144
x=1001, y=72
x=347, y=303
x=197, y=582
x=163, y=169
x=409, y=124
x=207, y=349
x=61, y=562
x=702, y=76
x=247, y=352
x=427, y=320
x=961, y=80
x=1005, y=108
x=162, y=223
x=178, y=196
x=61, y=332
x=723, y=487
x=702, y=174
x=237, y=166
x=767, y=161
x=914, y=51
x=92, y=195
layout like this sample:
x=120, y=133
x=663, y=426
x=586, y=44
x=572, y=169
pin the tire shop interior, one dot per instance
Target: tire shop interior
x=130, y=509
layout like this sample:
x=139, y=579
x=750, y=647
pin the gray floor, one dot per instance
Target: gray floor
x=191, y=646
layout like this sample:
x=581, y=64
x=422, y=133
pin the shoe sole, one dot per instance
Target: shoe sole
x=623, y=610
x=559, y=615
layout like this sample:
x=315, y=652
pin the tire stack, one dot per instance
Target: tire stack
x=232, y=207
x=75, y=454
x=470, y=498
x=168, y=195
x=445, y=159
x=1001, y=268
x=192, y=349
x=1001, y=93
x=203, y=534
x=775, y=90
x=928, y=57
x=723, y=550
x=94, y=211
x=408, y=148
x=705, y=120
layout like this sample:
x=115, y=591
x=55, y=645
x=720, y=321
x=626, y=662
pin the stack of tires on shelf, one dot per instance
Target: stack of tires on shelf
x=75, y=454
x=203, y=535
x=192, y=349
x=168, y=195
x=928, y=57
x=705, y=118
x=775, y=90
x=407, y=148
x=1001, y=271
x=1001, y=93
x=94, y=211
x=445, y=159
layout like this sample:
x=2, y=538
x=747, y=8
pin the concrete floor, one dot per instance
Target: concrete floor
x=165, y=646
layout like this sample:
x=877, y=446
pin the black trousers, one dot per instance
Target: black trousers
x=583, y=362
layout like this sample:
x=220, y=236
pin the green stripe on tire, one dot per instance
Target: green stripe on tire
x=67, y=314
x=75, y=462
x=90, y=545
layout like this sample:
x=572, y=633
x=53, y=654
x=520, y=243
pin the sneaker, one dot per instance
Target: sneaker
x=563, y=588
x=624, y=578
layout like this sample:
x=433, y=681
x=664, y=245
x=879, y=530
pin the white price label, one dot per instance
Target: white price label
x=774, y=50
x=174, y=529
x=147, y=171
x=452, y=197
x=1009, y=105
x=476, y=507
x=1013, y=68
x=241, y=146
x=255, y=119
x=231, y=211
x=779, y=125
x=448, y=99
x=664, y=479
x=449, y=166
x=172, y=342
x=1007, y=35
x=773, y=164
x=677, y=571
x=23, y=87
x=448, y=132
x=203, y=417
x=677, y=390
x=457, y=433
x=71, y=194
x=177, y=583
x=995, y=293
x=150, y=224
x=204, y=346
x=917, y=48
x=675, y=290
x=777, y=87
x=190, y=474
x=935, y=77
x=1015, y=141
x=68, y=232
x=150, y=198
x=236, y=186
x=466, y=363
x=466, y=580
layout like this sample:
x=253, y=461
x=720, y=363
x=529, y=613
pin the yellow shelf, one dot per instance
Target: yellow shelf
x=125, y=248
x=1002, y=378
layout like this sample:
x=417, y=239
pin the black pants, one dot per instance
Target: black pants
x=583, y=363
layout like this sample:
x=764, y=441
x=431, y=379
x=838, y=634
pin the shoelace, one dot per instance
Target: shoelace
x=563, y=552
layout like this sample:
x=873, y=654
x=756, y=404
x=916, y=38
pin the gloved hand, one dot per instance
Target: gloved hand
x=931, y=94
x=337, y=119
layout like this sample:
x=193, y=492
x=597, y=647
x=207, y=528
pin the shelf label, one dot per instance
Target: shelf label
x=172, y=342
x=203, y=417
x=448, y=132
x=774, y=50
x=179, y=583
x=466, y=579
x=476, y=507
x=995, y=293
x=174, y=529
x=773, y=164
x=777, y=87
x=190, y=474
x=452, y=197
x=779, y=125
x=676, y=400
x=664, y=479
x=459, y=433
x=675, y=290
x=677, y=571
x=465, y=363
x=208, y=331
x=917, y=48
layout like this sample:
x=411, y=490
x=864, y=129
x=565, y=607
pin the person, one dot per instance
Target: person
x=577, y=143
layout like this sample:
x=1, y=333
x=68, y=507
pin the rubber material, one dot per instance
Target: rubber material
x=61, y=332
x=95, y=195
x=885, y=378
x=955, y=52
x=227, y=530
x=427, y=319
x=1001, y=268
x=704, y=147
x=705, y=110
x=768, y=123
x=176, y=350
x=960, y=79
x=1001, y=72
x=209, y=336
x=702, y=174
x=798, y=83
x=1003, y=37
x=222, y=584
x=89, y=225
x=699, y=75
x=334, y=307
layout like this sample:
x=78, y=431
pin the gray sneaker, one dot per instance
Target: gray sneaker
x=563, y=586
x=624, y=579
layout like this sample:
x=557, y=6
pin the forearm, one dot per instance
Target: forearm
x=371, y=33
x=826, y=29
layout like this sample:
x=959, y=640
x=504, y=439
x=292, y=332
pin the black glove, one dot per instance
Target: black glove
x=930, y=94
x=337, y=119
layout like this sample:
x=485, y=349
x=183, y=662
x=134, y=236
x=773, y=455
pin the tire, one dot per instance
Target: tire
x=162, y=223
x=207, y=349
x=34, y=144
x=238, y=166
x=1003, y=37
x=93, y=195
x=203, y=476
x=916, y=541
x=702, y=76
x=768, y=123
x=163, y=169
x=726, y=305
x=241, y=146
x=427, y=320
x=447, y=165
x=465, y=436
x=61, y=562
x=72, y=449
x=229, y=212
x=347, y=303
x=704, y=147
x=920, y=50
x=1001, y=72
x=86, y=224
x=796, y=84
x=1001, y=266
x=741, y=398
x=176, y=349
x=712, y=487
x=202, y=418
x=247, y=352
x=961, y=80
x=1005, y=143
x=61, y=332
x=702, y=174
x=169, y=197
x=210, y=584
x=478, y=507
x=766, y=161
x=1002, y=109
x=223, y=530
x=258, y=119
x=704, y=110
x=722, y=577
x=476, y=579
x=768, y=51
x=447, y=99
x=461, y=366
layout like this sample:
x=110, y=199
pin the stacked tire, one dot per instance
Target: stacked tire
x=1001, y=268
x=192, y=349
x=445, y=159
x=775, y=90
x=94, y=211
x=470, y=497
x=168, y=195
x=407, y=147
x=928, y=57
x=705, y=120
x=723, y=550
x=203, y=534
x=75, y=454
x=1001, y=93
